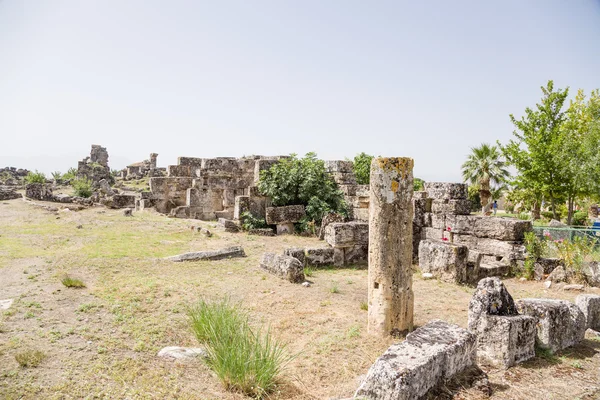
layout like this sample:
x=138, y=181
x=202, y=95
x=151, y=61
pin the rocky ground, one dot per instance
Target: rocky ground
x=101, y=341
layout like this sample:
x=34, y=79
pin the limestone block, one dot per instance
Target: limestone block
x=432, y=233
x=284, y=215
x=591, y=270
x=445, y=261
x=320, y=256
x=589, y=304
x=285, y=229
x=356, y=255
x=344, y=178
x=430, y=355
x=347, y=234
x=438, y=221
x=123, y=201
x=506, y=340
x=454, y=206
x=339, y=166
x=355, y=190
x=446, y=190
x=169, y=192
x=230, y=252
x=229, y=198
x=227, y=214
x=285, y=267
x=360, y=214
x=189, y=161
x=296, y=252
x=420, y=195
x=261, y=232
x=493, y=269
x=229, y=225
x=329, y=219
x=560, y=323
x=506, y=229
x=242, y=205
x=262, y=165
x=503, y=336
x=507, y=251
x=8, y=194
x=179, y=170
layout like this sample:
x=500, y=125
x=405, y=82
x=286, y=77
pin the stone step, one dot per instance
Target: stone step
x=489, y=270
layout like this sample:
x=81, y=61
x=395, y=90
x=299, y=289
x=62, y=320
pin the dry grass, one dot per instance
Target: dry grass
x=30, y=358
x=103, y=341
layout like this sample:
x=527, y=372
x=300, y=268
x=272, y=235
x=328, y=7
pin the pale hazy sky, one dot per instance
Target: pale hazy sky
x=424, y=79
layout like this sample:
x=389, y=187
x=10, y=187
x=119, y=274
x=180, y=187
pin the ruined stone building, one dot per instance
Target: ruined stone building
x=95, y=167
x=142, y=169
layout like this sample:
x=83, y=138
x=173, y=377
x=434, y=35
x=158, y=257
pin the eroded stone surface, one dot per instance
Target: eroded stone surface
x=284, y=215
x=589, y=304
x=182, y=353
x=285, y=267
x=391, y=298
x=319, y=256
x=5, y=304
x=445, y=261
x=410, y=369
x=560, y=323
x=446, y=190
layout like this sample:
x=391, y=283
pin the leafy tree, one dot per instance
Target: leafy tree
x=484, y=167
x=418, y=184
x=580, y=152
x=536, y=151
x=303, y=181
x=362, y=168
x=82, y=186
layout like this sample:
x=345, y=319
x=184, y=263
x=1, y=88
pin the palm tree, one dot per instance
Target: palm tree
x=484, y=167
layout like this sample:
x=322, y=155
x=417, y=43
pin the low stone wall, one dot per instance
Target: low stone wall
x=445, y=261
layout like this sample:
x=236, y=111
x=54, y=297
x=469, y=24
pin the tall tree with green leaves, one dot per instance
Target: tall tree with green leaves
x=362, y=168
x=580, y=153
x=536, y=151
x=485, y=167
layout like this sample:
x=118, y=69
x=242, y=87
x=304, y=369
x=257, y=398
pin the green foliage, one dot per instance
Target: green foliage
x=418, y=184
x=82, y=186
x=309, y=271
x=115, y=173
x=303, y=181
x=72, y=282
x=30, y=358
x=249, y=221
x=485, y=168
x=574, y=253
x=362, y=168
x=35, y=177
x=244, y=359
x=535, y=248
x=57, y=176
x=70, y=174
x=580, y=218
x=474, y=198
x=364, y=306
x=334, y=289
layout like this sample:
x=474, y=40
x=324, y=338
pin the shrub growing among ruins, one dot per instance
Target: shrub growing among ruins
x=362, y=168
x=249, y=221
x=303, y=181
x=535, y=248
x=418, y=184
x=244, y=359
x=70, y=174
x=82, y=186
x=35, y=177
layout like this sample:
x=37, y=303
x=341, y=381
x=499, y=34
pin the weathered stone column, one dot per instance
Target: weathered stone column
x=391, y=299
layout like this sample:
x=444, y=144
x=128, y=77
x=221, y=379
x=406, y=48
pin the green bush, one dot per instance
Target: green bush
x=580, y=218
x=474, y=198
x=82, y=186
x=418, y=184
x=362, y=168
x=249, y=221
x=72, y=282
x=244, y=359
x=57, y=176
x=35, y=177
x=303, y=181
x=70, y=174
x=574, y=253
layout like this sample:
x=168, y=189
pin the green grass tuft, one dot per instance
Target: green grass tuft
x=334, y=289
x=309, y=271
x=364, y=306
x=245, y=360
x=72, y=282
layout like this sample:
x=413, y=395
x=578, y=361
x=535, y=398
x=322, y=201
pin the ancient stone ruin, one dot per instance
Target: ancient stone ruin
x=390, y=294
x=143, y=169
x=95, y=167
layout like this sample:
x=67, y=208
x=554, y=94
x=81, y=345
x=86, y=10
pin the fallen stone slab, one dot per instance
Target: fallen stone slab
x=296, y=252
x=5, y=304
x=430, y=355
x=229, y=252
x=589, y=304
x=261, y=232
x=182, y=353
x=329, y=219
x=285, y=267
x=445, y=261
x=503, y=337
x=228, y=225
x=560, y=324
x=347, y=234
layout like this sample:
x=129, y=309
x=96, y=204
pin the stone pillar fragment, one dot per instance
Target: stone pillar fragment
x=391, y=298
